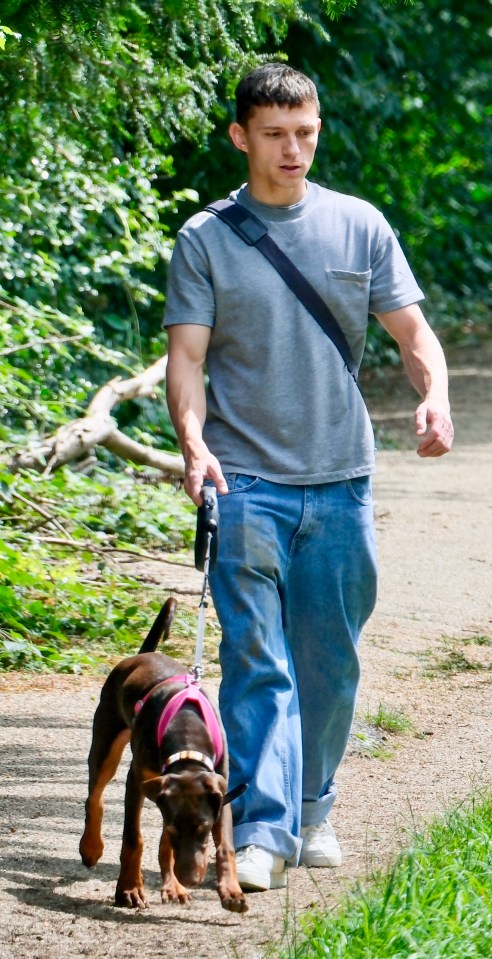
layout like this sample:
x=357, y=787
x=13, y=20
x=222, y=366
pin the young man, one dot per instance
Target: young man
x=283, y=433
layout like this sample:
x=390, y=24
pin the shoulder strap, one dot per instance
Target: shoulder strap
x=255, y=233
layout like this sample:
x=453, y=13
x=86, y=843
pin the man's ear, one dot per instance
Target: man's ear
x=238, y=136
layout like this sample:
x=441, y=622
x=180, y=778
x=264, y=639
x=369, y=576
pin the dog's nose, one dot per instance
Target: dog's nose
x=189, y=877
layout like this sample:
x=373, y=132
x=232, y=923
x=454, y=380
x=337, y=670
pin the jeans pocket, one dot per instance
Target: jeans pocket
x=240, y=482
x=360, y=488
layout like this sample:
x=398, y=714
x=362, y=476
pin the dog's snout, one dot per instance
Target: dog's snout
x=190, y=874
x=191, y=869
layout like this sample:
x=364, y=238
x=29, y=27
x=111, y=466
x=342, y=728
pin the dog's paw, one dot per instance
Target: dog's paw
x=131, y=898
x=173, y=891
x=234, y=902
x=90, y=850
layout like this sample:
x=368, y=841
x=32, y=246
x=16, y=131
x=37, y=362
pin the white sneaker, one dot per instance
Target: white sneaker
x=259, y=869
x=320, y=845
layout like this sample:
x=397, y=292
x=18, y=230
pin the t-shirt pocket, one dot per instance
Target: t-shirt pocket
x=347, y=295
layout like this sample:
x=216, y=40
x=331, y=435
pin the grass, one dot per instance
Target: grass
x=390, y=720
x=371, y=726
x=434, y=903
x=475, y=640
x=454, y=660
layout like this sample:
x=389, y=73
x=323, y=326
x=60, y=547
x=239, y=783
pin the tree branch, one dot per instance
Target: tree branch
x=77, y=439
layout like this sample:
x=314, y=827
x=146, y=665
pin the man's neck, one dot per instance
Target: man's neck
x=279, y=197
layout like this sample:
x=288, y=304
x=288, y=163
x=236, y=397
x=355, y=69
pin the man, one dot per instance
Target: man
x=283, y=433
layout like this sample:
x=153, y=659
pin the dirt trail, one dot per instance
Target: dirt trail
x=434, y=522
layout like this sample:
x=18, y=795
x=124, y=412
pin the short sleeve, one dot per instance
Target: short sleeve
x=393, y=284
x=190, y=296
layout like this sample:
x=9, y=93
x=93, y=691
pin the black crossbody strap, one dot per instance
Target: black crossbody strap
x=255, y=233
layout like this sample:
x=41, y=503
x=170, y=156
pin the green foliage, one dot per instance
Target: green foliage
x=406, y=115
x=64, y=601
x=45, y=359
x=91, y=119
x=5, y=33
x=80, y=236
x=436, y=902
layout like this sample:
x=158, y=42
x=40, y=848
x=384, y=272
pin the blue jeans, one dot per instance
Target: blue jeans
x=293, y=585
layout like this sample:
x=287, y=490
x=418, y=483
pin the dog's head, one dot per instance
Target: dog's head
x=191, y=803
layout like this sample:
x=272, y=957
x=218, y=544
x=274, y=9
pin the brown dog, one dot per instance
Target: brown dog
x=176, y=744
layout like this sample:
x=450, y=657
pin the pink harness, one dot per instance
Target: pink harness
x=190, y=694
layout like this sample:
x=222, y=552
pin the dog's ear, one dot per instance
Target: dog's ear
x=154, y=788
x=216, y=788
x=162, y=790
x=214, y=782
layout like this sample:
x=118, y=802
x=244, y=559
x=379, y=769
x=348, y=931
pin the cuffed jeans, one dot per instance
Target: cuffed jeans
x=293, y=584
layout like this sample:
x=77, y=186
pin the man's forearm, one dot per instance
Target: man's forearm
x=420, y=351
x=187, y=407
x=425, y=364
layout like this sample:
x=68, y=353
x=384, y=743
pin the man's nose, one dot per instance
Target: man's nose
x=291, y=145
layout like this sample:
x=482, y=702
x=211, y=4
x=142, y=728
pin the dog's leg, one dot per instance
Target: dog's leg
x=231, y=895
x=130, y=886
x=171, y=889
x=108, y=743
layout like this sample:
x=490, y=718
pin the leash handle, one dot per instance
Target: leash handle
x=207, y=528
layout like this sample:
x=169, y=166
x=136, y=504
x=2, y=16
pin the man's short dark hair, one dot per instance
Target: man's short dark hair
x=273, y=84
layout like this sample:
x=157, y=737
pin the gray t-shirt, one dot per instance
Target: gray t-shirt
x=281, y=404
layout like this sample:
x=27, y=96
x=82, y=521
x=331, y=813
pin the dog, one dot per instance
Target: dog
x=179, y=761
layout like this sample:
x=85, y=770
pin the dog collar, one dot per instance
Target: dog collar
x=189, y=754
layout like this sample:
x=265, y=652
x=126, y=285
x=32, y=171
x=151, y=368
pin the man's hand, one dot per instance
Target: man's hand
x=434, y=424
x=207, y=467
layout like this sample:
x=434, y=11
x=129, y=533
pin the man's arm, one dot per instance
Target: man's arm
x=425, y=367
x=187, y=349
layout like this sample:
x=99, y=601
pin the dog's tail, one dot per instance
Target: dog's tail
x=161, y=627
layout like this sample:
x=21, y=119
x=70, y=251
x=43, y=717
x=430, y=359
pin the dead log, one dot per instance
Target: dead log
x=76, y=440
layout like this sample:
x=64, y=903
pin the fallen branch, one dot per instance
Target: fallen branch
x=76, y=440
x=47, y=518
x=92, y=548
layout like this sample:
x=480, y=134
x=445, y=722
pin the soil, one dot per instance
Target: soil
x=426, y=653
